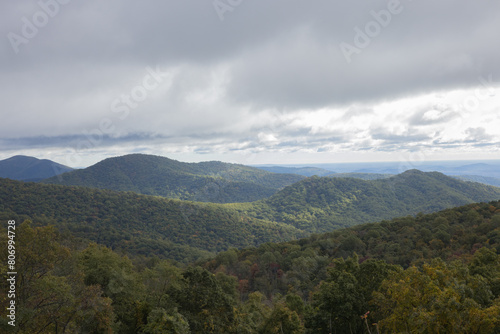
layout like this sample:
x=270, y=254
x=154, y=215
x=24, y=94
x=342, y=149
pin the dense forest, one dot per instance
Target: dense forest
x=211, y=181
x=321, y=204
x=179, y=230
x=186, y=231
x=103, y=261
x=434, y=273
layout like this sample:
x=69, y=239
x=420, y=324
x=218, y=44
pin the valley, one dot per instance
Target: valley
x=132, y=235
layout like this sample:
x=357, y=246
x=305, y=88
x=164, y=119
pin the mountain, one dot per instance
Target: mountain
x=440, y=267
x=492, y=181
x=305, y=171
x=26, y=168
x=203, y=182
x=487, y=168
x=139, y=224
x=322, y=204
x=435, y=273
x=184, y=230
x=448, y=234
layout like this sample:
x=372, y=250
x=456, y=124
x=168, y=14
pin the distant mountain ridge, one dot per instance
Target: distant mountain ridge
x=305, y=171
x=492, y=181
x=24, y=168
x=211, y=181
x=319, y=204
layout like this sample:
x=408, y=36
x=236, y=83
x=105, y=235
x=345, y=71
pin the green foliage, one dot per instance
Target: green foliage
x=203, y=182
x=315, y=285
x=138, y=224
x=323, y=204
x=50, y=292
x=201, y=299
x=283, y=320
x=161, y=322
x=436, y=272
x=118, y=281
x=345, y=294
x=438, y=298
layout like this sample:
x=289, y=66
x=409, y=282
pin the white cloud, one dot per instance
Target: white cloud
x=269, y=78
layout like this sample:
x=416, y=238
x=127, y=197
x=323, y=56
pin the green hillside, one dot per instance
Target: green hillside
x=212, y=181
x=435, y=273
x=321, y=204
x=443, y=268
x=182, y=230
x=140, y=224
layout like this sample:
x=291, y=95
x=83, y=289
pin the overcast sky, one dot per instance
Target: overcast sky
x=250, y=81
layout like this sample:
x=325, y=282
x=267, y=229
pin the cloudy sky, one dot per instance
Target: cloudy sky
x=250, y=81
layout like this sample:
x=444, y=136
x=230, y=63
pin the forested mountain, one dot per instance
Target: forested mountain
x=212, y=181
x=25, y=168
x=492, y=181
x=139, y=224
x=432, y=273
x=435, y=273
x=320, y=204
x=189, y=230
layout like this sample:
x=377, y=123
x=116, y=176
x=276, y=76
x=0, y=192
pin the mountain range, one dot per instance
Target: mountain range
x=26, y=168
x=186, y=230
x=320, y=204
x=102, y=260
x=211, y=181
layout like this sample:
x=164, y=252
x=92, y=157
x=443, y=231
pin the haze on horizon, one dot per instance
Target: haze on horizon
x=250, y=82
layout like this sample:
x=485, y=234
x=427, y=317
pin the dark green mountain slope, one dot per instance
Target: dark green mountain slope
x=301, y=265
x=204, y=182
x=323, y=204
x=25, y=168
x=140, y=224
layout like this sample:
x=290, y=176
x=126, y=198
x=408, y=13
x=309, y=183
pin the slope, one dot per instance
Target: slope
x=204, y=182
x=492, y=181
x=301, y=265
x=139, y=224
x=323, y=204
x=26, y=168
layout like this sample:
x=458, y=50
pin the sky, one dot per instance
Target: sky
x=251, y=82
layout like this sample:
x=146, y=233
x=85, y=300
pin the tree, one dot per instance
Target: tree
x=51, y=296
x=438, y=298
x=282, y=320
x=162, y=322
x=118, y=280
x=344, y=296
x=203, y=303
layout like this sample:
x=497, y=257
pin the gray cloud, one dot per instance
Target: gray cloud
x=477, y=135
x=434, y=114
x=230, y=81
